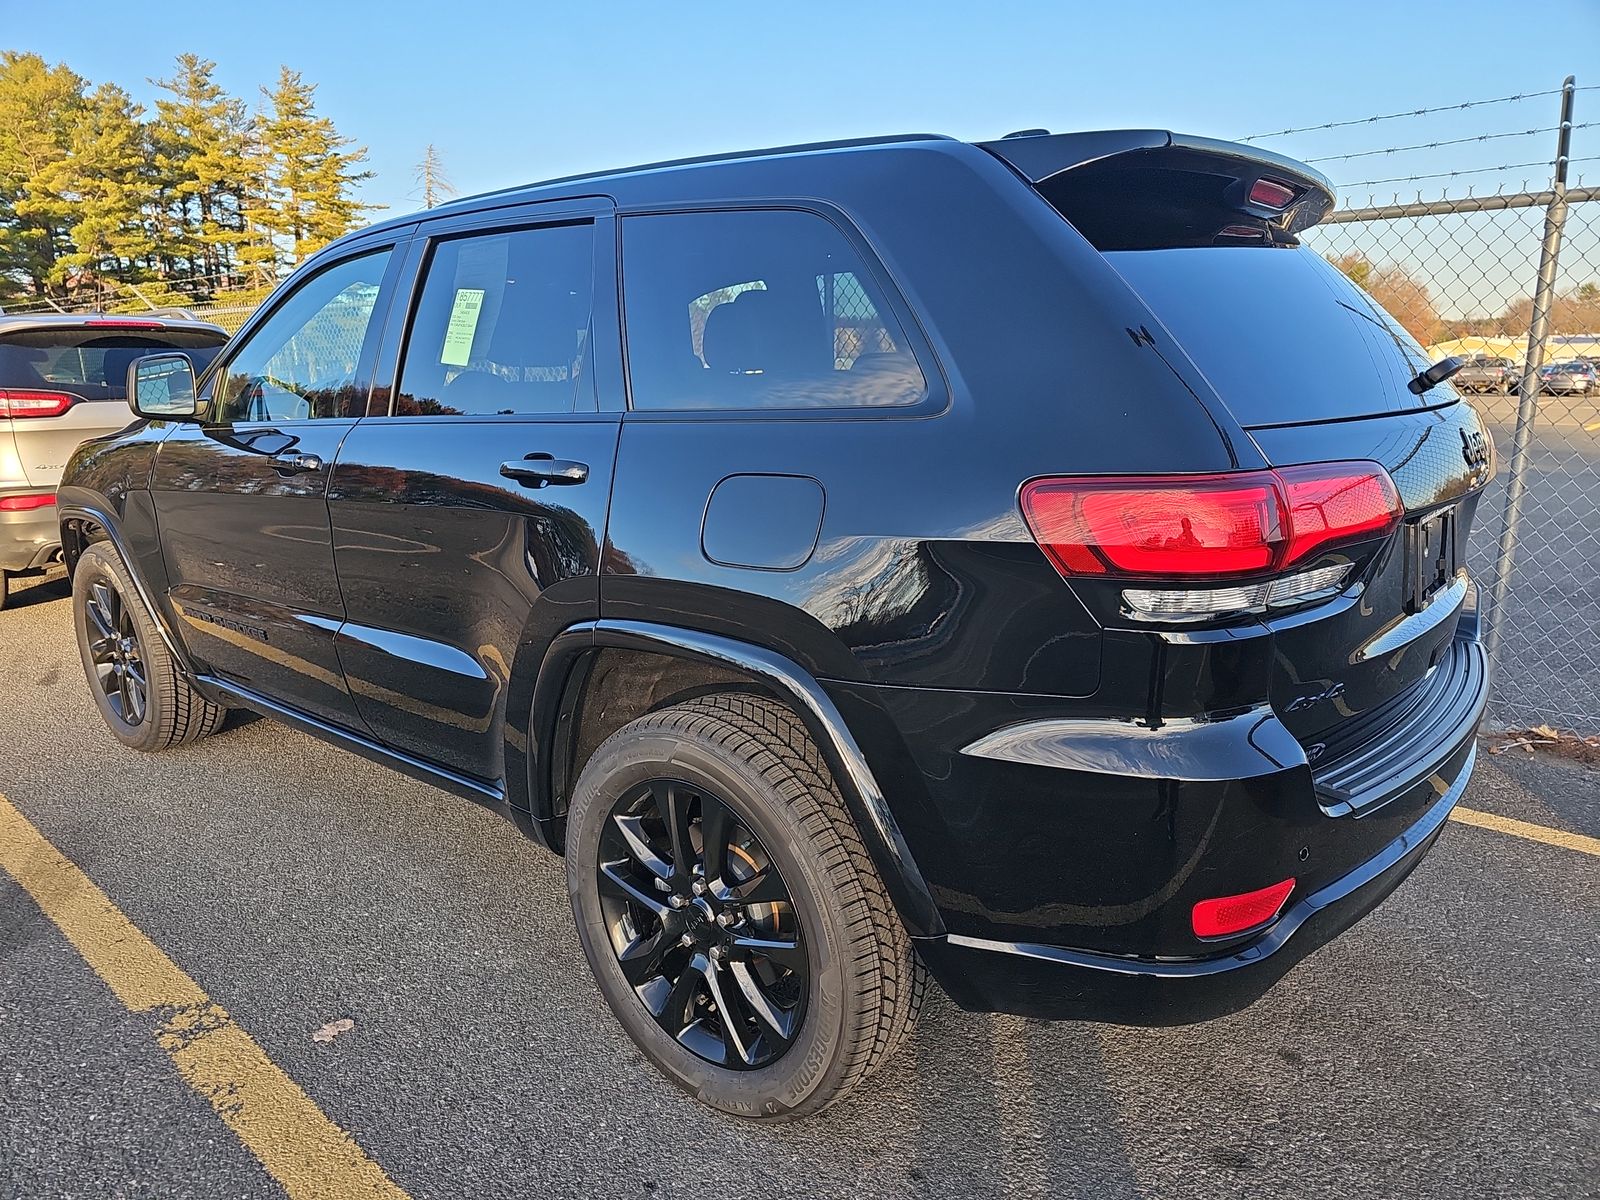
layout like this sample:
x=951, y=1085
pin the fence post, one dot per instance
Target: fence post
x=1544, y=294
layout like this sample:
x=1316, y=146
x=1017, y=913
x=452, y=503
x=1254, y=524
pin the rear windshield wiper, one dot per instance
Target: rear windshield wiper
x=1432, y=377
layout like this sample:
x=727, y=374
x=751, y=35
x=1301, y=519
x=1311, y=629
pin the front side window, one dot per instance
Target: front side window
x=303, y=363
x=502, y=326
x=757, y=310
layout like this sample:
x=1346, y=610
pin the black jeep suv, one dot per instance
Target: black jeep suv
x=1020, y=562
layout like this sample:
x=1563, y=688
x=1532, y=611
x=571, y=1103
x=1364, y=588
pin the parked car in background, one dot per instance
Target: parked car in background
x=1573, y=378
x=1485, y=373
x=857, y=559
x=63, y=379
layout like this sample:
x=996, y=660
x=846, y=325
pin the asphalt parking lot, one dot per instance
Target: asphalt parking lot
x=1448, y=1046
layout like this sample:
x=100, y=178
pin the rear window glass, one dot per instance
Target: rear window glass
x=757, y=310
x=90, y=363
x=1281, y=334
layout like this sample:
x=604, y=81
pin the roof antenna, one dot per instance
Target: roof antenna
x=1027, y=133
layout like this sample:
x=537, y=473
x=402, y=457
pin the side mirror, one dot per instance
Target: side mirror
x=161, y=387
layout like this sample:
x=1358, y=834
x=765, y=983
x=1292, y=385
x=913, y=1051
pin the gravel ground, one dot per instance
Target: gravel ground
x=1448, y=1046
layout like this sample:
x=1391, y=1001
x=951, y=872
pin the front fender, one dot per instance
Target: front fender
x=88, y=517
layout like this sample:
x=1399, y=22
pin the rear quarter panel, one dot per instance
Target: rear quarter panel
x=924, y=573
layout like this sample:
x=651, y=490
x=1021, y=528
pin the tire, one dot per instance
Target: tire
x=164, y=711
x=863, y=983
x=5, y=589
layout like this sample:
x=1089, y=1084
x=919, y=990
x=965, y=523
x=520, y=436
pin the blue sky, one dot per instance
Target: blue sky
x=511, y=92
x=517, y=91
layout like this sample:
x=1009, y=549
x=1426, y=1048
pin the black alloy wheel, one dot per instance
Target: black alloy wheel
x=116, y=653
x=702, y=924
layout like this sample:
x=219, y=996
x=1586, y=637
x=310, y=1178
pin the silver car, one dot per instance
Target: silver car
x=1575, y=378
x=63, y=380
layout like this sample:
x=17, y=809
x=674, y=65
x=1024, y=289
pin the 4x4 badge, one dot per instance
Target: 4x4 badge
x=1475, y=448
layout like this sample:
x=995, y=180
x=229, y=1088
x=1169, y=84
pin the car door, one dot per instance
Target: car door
x=242, y=496
x=468, y=522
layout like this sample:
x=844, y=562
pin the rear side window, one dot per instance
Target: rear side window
x=502, y=326
x=1281, y=334
x=92, y=363
x=757, y=310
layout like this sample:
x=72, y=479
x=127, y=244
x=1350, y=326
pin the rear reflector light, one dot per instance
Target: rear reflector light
x=1235, y=914
x=26, y=503
x=15, y=402
x=1270, y=193
x=1201, y=527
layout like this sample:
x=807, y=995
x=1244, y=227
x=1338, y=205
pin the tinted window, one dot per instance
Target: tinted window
x=757, y=310
x=502, y=326
x=91, y=363
x=303, y=362
x=1282, y=335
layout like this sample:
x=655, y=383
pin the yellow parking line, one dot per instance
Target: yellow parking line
x=1524, y=829
x=310, y=1156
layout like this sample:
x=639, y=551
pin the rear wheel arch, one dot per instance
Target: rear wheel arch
x=597, y=677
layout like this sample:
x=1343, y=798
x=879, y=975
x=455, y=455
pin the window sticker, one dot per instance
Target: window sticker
x=463, y=327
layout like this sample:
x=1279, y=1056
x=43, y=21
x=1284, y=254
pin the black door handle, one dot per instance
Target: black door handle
x=537, y=470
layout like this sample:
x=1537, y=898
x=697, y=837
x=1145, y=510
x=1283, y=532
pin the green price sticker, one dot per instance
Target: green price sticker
x=463, y=327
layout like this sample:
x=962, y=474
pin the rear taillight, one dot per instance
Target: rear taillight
x=1182, y=530
x=24, y=403
x=1336, y=502
x=26, y=503
x=1199, y=527
x=1227, y=915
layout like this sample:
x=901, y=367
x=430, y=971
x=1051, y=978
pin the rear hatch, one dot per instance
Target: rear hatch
x=62, y=383
x=1314, y=371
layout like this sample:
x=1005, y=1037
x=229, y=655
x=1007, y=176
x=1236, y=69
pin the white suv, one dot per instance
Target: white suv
x=63, y=380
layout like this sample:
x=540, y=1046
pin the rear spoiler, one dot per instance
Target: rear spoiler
x=1137, y=189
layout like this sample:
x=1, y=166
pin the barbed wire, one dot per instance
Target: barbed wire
x=1544, y=162
x=1482, y=137
x=1416, y=112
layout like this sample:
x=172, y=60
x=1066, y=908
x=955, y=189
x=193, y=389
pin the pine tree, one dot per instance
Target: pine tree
x=106, y=183
x=39, y=105
x=202, y=139
x=256, y=251
x=430, y=177
x=313, y=175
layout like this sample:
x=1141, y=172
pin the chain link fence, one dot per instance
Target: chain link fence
x=1511, y=282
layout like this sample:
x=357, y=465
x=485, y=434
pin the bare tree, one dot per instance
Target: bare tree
x=436, y=186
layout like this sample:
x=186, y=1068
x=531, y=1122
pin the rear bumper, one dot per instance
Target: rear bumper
x=1066, y=854
x=29, y=539
x=1054, y=983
